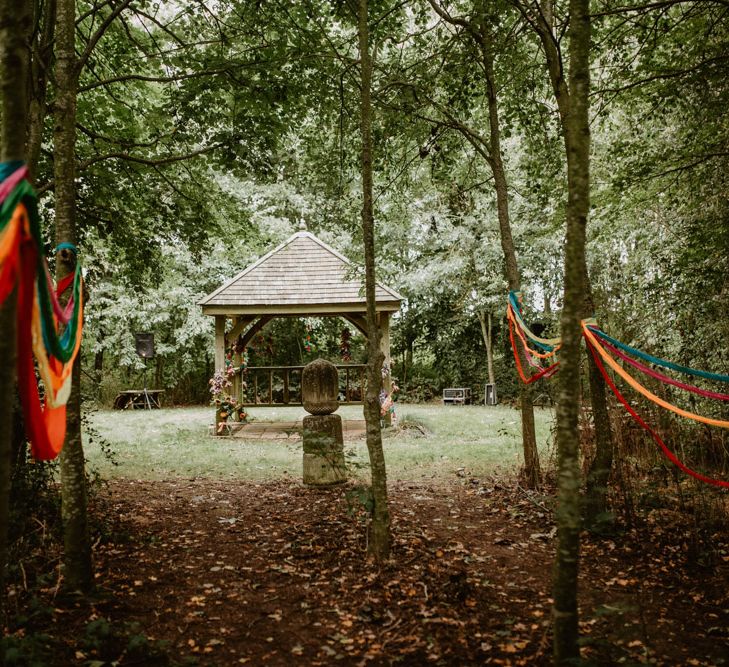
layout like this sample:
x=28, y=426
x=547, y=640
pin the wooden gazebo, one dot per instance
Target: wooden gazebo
x=302, y=277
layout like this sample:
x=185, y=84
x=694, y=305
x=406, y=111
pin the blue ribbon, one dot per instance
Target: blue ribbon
x=8, y=168
x=658, y=361
x=66, y=246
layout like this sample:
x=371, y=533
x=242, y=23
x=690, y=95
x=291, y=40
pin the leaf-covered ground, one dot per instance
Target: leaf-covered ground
x=231, y=573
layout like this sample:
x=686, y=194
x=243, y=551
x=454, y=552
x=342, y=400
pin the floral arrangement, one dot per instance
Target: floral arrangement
x=387, y=402
x=308, y=344
x=225, y=404
x=344, y=346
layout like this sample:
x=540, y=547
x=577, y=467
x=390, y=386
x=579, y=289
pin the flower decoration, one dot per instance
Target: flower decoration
x=345, y=345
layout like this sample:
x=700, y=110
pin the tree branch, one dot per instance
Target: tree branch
x=94, y=39
x=126, y=157
x=155, y=79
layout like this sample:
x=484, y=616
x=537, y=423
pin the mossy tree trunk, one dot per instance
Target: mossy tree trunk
x=379, y=537
x=77, y=549
x=40, y=67
x=574, y=111
x=596, y=501
x=15, y=29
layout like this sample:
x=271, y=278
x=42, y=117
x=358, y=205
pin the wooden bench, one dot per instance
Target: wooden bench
x=135, y=399
x=456, y=395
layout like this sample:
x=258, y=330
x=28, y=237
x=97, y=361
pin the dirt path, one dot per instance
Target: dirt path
x=242, y=573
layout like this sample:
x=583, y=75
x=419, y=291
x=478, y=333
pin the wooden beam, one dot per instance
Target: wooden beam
x=219, y=342
x=384, y=325
x=359, y=321
x=254, y=329
x=299, y=309
x=239, y=326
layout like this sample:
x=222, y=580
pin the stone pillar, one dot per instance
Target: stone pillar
x=323, y=437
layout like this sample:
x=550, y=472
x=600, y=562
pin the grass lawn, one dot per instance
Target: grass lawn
x=164, y=444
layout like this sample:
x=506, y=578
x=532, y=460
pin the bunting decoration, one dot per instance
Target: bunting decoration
x=40, y=316
x=609, y=352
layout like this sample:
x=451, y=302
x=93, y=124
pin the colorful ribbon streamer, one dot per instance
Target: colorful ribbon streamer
x=520, y=332
x=547, y=344
x=39, y=313
x=658, y=361
x=544, y=373
x=664, y=378
x=599, y=352
x=590, y=336
x=669, y=454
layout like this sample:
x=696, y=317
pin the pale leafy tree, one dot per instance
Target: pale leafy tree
x=379, y=541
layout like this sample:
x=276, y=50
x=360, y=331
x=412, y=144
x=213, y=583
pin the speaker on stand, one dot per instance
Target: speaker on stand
x=145, y=349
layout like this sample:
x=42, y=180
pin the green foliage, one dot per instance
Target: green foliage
x=267, y=94
x=28, y=650
x=104, y=642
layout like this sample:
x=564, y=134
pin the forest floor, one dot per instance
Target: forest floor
x=222, y=572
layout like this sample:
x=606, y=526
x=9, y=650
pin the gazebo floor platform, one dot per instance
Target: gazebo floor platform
x=289, y=430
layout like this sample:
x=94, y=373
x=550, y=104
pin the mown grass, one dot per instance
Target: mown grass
x=437, y=441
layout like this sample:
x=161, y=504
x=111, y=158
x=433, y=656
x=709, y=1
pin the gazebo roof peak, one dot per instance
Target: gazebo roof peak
x=301, y=275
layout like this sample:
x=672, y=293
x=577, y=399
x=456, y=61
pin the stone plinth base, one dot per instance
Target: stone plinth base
x=323, y=450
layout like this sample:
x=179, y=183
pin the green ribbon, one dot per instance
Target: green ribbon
x=61, y=347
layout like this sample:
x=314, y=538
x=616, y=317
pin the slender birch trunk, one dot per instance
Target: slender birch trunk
x=379, y=538
x=77, y=549
x=15, y=29
x=484, y=319
x=532, y=473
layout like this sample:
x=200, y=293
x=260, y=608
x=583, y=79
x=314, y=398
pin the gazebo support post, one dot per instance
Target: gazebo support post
x=384, y=321
x=237, y=357
x=219, y=359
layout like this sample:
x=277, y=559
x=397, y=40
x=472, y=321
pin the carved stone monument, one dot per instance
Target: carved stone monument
x=323, y=439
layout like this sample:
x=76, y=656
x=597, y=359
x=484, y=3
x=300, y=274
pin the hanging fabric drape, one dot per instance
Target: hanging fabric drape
x=669, y=454
x=604, y=348
x=40, y=315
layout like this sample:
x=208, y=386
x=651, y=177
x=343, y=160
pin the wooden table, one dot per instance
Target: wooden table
x=136, y=399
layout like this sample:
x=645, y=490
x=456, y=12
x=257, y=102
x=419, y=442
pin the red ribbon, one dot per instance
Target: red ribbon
x=671, y=456
x=46, y=429
x=664, y=378
x=545, y=373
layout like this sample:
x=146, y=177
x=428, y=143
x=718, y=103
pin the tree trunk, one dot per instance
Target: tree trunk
x=77, y=549
x=379, y=538
x=41, y=64
x=577, y=142
x=485, y=321
x=99, y=365
x=532, y=473
x=597, y=517
x=15, y=30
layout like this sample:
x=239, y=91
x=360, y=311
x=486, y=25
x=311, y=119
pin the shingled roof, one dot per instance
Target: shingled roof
x=303, y=274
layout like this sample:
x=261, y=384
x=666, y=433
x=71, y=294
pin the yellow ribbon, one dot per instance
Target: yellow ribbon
x=641, y=389
x=545, y=341
x=519, y=331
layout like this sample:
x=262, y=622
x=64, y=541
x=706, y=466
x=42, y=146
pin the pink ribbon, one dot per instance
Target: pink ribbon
x=8, y=185
x=664, y=378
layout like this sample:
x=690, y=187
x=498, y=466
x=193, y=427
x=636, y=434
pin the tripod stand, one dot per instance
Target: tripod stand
x=147, y=401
